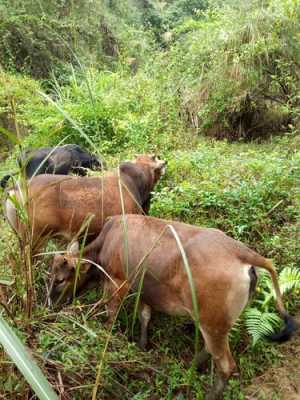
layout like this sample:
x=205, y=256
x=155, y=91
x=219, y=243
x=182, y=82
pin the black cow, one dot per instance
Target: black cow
x=60, y=160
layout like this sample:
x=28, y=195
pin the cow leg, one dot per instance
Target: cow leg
x=201, y=359
x=116, y=297
x=144, y=316
x=218, y=347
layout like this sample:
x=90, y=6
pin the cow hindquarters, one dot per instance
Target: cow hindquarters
x=218, y=317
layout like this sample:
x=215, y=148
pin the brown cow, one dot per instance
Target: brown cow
x=59, y=205
x=221, y=267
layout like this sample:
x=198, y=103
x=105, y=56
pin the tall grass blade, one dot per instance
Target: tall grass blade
x=84, y=228
x=192, y=287
x=124, y=223
x=6, y=280
x=142, y=266
x=30, y=370
x=137, y=301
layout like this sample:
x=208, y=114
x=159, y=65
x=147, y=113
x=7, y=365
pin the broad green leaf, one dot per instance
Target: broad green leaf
x=25, y=363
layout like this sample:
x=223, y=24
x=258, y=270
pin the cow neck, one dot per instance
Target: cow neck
x=147, y=183
x=91, y=252
x=141, y=179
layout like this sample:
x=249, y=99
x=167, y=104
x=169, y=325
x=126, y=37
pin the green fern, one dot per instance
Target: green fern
x=289, y=279
x=260, y=321
x=261, y=324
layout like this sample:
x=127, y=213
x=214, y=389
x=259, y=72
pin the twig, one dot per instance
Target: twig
x=61, y=384
x=274, y=208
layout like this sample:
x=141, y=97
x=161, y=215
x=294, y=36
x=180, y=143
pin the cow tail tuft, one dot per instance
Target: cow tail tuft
x=290, y=326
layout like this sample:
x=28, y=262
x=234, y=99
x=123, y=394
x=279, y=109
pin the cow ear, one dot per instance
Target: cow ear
x=73, y=249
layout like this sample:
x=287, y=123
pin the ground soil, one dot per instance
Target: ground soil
x=282, y=381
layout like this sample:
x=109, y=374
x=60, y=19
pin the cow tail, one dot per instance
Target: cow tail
x=290, y=325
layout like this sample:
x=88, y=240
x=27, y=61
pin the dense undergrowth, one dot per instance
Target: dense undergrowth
x=226, y=72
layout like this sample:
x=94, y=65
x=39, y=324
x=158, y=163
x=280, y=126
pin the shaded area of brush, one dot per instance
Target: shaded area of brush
x=50, y=37
x=241, y=70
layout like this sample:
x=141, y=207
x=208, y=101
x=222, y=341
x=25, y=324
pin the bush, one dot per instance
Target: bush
x=111, y=110
x=33, y=45
x=237, y=69
x=45, y=39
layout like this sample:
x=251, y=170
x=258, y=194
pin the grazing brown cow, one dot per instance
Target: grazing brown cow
x=59, y=205
x=222, y=269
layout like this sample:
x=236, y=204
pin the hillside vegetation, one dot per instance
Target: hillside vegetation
x=212, y=87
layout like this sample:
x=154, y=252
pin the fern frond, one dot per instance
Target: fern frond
x=289, y=279
x=265, y=280
x=260, y=324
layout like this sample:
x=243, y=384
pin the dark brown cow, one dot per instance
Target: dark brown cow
x=221, y=267
x=59, y=205
x=59, y=160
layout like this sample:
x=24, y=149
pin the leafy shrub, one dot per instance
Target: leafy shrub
x=47, y=38
x=178, y=10
x=237, y=69
x=15, y=91
x=113, y=112
x=30, y=44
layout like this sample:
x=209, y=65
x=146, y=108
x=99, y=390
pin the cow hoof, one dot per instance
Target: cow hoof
x=213, y=396
x=201, y=360
x=142, y=345
x=202, y=367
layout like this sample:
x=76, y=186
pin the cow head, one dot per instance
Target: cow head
x=63, y=274
x=97, y=164
x=153, y=163
x=93, y=162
